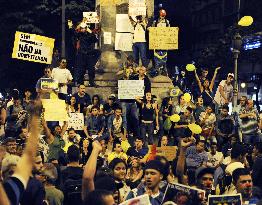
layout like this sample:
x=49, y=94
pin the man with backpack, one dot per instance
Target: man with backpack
x=140, y=39
x=71, y=177
x=160, y=56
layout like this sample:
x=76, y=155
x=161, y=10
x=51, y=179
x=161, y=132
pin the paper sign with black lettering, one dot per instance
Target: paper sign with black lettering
x=130, y=89
x=91, y=17
x=76, y=121
x=32, y=47
x=234, y=199
x=137, y=7
x=49, y=84
x=139, y=200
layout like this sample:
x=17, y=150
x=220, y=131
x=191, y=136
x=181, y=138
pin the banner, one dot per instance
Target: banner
x=124, y=41
x=32, y=47
x=123, y=24
x=49, y=84
x=76, y=121
x=163, y=38
x=176, y=192
x=91, y=17
x=137, y=7
x=234, y=199
x=140, y=200
x=55, y=110
x=130, y=89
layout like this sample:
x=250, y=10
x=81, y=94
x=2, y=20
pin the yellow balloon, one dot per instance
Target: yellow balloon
x=125, y=145
x=187, y=97
x=196, y=129
x=245, y=21
x=190, y=67
x=175, y=118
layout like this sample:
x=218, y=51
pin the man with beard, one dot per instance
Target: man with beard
x=35, y=192
x=244, y=185
x=153, y=176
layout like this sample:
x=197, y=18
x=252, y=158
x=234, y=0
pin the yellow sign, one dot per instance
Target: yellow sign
x=32, y=47
x=163, y=38
x=55, y=110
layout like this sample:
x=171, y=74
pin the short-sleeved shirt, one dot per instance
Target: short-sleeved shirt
x=228, y=90
x=195, y=159
x=84, y=101
x=62, y=76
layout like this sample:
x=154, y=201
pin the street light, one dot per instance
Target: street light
x=236, y=46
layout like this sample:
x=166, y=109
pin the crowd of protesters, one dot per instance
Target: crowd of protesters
x=112, y=159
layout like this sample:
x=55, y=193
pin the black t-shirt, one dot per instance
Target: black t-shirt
x=34, y=193
x=14, y=189
x=83, y=101
x=71, y=173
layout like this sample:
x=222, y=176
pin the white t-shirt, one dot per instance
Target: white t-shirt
x=62, y=76
x=213, y=160
x=139, y=33
x=228, y=90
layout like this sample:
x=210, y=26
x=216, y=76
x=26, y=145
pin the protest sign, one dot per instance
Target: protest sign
x=48, y=84
x=91, y=17
x=137, y=7
x=76, y=121
x=234, y=199
x=107, y=38
x=123, y=23
x=130, y=89
x=174, y=192
x=55, y=110
x=168, y=152
x=32, y=47
x=124, y=41
x=163, y=38
x=140, y=200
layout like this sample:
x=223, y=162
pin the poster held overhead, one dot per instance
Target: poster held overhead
x=130, y=89
x=32, y=47
x=91, y=17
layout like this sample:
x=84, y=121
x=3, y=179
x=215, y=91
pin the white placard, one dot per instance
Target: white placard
x=107, y=38
x=76, y=121
x=123, y=23
x=130, y=89
x=140, y=200
x=124, y=41
x=91, y=17
x=137, y=7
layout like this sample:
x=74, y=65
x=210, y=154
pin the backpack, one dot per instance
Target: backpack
x=72, y=191
x=224, y=180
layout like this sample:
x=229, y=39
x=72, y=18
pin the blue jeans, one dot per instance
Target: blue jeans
x=139, y=49
x=130, y=115
x=147, y=128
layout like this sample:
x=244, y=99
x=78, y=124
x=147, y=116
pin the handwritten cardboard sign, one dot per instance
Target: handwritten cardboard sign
x=130, y=89
x=163, y=38
x=55, y=110
x=137, y=7
x=32, y=47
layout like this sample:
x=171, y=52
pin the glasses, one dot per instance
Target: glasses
x=63, y=62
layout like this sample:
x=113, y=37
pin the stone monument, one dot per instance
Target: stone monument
x=111, y=59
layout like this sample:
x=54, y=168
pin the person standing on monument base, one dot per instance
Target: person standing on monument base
x=139, y=39
x=86, y=54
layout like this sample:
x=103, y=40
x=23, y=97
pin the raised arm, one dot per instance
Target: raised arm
x=211, y=86
x=49, y=136
x=24, y=166
x=90, y=170
x=199, y=82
